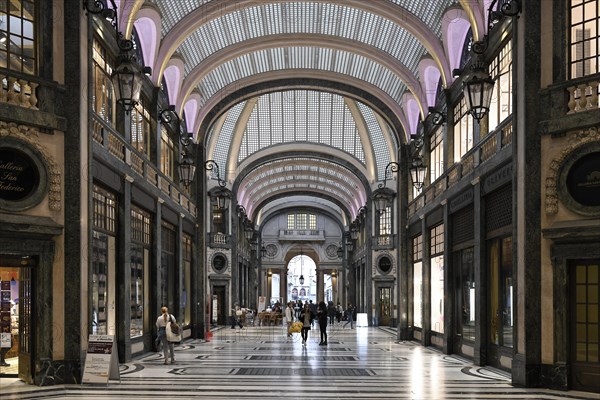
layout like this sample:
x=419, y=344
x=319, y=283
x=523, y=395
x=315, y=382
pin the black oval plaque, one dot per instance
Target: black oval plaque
x=583, y=180
x=385, y=264
x=219, y=262
x=19, y=175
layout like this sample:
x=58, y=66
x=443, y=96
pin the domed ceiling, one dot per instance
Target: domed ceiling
x=308, y=99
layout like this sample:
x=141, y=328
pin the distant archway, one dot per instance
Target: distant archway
x=302, y=265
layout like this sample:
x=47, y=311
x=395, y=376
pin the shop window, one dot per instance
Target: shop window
x=437, y=278
x=584, y=37
x=141, y=128
x=103, y=100
x=464, y=281
x=436, y=155
x=103, y=262
x=500, y=312
x=18, y=36
x=417, y=255
x=500, y=70
x=167, y=154
x=139, y=268
x=187, y=277
x=463, y=130
x=167, y=271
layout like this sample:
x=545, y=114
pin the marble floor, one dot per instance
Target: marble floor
x=261, y=363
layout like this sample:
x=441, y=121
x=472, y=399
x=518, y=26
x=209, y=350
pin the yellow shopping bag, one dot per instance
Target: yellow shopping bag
x=296, y=327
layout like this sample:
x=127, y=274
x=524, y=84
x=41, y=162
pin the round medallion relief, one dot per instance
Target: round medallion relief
x=271, y=250
x=331, y=251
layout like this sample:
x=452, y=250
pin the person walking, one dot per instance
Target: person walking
x=331, y=312
x=313, y=309
x=322, y=316
x=237, y=316
x=298, y=309
x=161, y=325
x=306, y=317
x=339, y=312
x=289, y=317
x=350, y=316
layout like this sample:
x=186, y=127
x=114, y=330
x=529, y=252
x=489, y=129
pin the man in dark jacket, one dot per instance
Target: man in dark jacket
x=322, y=317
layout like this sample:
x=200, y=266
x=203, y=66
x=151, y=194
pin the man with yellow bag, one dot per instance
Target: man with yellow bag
x=289, y=318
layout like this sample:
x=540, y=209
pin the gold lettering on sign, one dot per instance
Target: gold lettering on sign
x=592, y=180
x=9, y=176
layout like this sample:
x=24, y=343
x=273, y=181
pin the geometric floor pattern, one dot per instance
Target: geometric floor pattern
x=261, y=363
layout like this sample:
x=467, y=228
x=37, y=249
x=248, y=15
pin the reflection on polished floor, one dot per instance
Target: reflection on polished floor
x=260, y=363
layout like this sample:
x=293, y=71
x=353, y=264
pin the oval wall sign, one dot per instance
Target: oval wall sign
x=583, y=180
x=23, y=176
x=19, y=175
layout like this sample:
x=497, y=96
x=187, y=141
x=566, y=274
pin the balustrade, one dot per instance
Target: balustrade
x=18, y=90
x=105, y=136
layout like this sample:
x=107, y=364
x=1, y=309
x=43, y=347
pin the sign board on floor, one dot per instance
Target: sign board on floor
x=101, y=360
x=5, y=340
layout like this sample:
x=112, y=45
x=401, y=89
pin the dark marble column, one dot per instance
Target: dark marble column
x=123, y=271
x=402, y=267
x=179, y=271
x=155, y=286
x=426, y=300
x=449, y=322
x=75, y=140
x=479, y=261
x=526, y=196
x=200, y=297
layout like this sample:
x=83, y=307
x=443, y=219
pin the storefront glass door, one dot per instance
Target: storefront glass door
x=15, y=316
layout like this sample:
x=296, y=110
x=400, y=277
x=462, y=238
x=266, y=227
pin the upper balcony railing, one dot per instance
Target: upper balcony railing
x=583, y=94
x=220, y=240
x=115, y=144
x=302, y=234
x=31, y=93
x=570, y=105
x=485, y=150
x=18, y=89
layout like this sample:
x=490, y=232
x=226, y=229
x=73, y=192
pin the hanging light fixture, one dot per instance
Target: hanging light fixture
x=418, y=171
x=478, y=87
x=128, y=75
x=263, y=251
x=301, y=279
x=223, y=195
x=186, y=168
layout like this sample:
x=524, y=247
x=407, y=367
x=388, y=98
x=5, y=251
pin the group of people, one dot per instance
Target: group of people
x=322, y=313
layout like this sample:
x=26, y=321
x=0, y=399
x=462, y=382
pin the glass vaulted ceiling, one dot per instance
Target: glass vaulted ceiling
x=302, y=116
x=273, y=18
x=302, y=175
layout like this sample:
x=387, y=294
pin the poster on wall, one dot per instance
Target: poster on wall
x=215, y=309
x=262, y=301
x=101, y=360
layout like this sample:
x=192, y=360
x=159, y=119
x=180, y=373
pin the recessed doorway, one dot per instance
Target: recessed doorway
x=15, y=315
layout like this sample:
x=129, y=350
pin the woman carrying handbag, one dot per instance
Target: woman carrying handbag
x=166, y=335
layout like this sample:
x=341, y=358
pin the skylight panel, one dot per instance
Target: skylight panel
x=226, y=133
x=378, y=142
